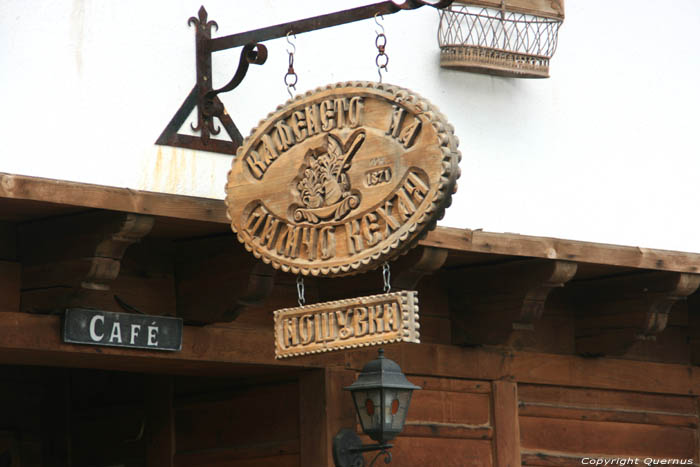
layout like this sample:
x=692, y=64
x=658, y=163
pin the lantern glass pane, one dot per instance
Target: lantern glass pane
x=395, y=407
x=368, y=408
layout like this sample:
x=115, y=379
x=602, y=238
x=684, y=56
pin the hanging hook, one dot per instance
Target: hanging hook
x=300, y=290
x=378, y=23
x=386, y=274
x=291, y=78
x=294, y=47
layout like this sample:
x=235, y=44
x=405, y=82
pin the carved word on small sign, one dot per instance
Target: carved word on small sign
x=342, y=324
x=342, y=179
x=95, y=327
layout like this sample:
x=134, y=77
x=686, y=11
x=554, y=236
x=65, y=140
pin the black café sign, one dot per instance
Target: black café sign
x=85, y=326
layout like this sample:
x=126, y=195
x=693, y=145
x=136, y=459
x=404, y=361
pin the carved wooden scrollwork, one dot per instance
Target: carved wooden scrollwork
x=431, y=259
x=73, y=260
x=106, y=261
x=488, y=303
x=260, y=283
x=613, y=314
x=342, y=179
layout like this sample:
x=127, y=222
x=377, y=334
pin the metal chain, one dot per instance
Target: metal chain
x=291, y=78
x=386, y=273
x=300, y=290
x=382, y=59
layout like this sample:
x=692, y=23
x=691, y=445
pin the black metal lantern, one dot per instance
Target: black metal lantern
x=381, y=395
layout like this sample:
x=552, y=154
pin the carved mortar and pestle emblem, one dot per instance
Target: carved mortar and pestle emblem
x=323, y=184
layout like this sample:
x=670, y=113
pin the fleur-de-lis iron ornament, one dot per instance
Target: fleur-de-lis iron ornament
x=204, y=28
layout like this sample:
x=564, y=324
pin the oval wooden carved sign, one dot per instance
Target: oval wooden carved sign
x=341, y=179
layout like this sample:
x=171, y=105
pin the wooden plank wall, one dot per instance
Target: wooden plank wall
x=248, y=426
x=450, y=423
x=560, y=426
x=454, y=422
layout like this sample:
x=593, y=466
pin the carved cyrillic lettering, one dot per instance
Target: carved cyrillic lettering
x=395, y=123
x=360, y=321
x=313, y=119
x=353, y=233
x=415, y=187
x=285, y=135
x=345, y=329
x=327, y=114
x=376, y=319
x=408, y=135
x=325, y=327
x=355, y=112
x=268, y=150
x=350, y=166
x=327, y=242
x=370, y=229
x=256, y=165
x=306, y=329
x=268, y=235
x=289, y=330
x=385, y=213
x=391, y=316
x=255, y=220
x=288, y=243
x=309, y=239
x=298, y=123
x=404, y=204
x=341, y=106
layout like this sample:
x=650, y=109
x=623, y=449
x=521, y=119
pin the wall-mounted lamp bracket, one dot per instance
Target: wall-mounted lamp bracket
x=348, y=449
x=206, y=99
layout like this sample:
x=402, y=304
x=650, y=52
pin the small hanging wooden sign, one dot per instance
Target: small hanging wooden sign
x=342, y=179
x=342, y=324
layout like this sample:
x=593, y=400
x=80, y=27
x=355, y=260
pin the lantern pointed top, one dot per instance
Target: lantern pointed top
x=381, y=372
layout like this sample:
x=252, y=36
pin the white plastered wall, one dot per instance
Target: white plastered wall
x=606, y=150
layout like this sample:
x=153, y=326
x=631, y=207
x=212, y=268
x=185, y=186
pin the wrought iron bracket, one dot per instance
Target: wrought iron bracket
x=206, y=99
x=348, y=449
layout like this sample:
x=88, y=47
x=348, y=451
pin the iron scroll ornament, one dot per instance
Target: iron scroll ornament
x=255, y=54
x=206, y=100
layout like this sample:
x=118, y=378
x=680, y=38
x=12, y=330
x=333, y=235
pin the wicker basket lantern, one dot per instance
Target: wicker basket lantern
x=497, y=41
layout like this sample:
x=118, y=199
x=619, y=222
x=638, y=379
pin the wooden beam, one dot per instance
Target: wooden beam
x=160, y=421
x=10, y=284
x=506, y=424
x=212, y=210
x=694, y=327
x=8, y=241
x=614, y=314
x=538, y=368
x=324, y=408
x=567, y=250
x=489, y=304
x=116, y=199
x=35, y=340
